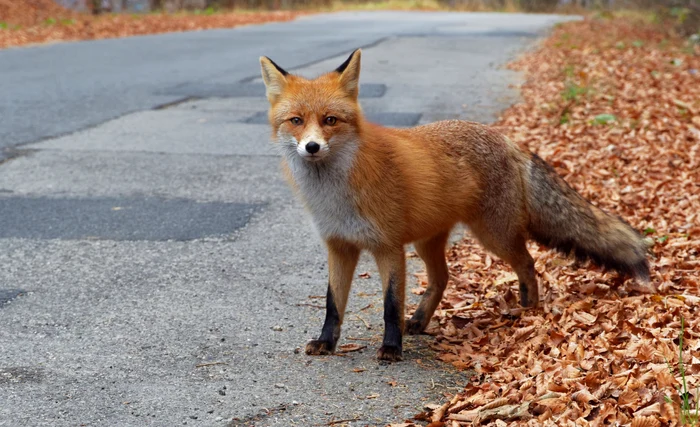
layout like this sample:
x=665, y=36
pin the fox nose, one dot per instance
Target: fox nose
x=312, y=147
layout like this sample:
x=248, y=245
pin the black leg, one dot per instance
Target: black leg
x=391, y=348
x=330, y=333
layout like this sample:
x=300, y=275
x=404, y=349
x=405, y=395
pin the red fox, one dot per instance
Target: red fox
x=374, y=188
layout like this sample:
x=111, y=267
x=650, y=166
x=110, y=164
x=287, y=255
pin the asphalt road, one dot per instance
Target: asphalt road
x=154, y=267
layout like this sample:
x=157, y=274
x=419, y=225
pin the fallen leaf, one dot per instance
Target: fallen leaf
x=646, y=422
x=347, y=348
x=653, y=409
x=585, y=318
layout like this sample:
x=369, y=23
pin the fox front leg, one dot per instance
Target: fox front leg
x=392, y=269
x=342, y=260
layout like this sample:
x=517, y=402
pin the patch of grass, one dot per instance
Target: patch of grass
x=3, y=25
x=688, y=49
x=644, y=16
x=50, y=21
x=207, y=12
x=573, y=92
x=391, y=5
x=689, y=417
x=604, y=14
x=569, y=71
x=604, y=119
x=637, y=43
x=66, y=21
x=680, y=13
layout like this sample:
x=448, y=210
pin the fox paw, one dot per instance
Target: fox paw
x=318, y=347
x=529, y=297
x=414, y=327
x=390, y=353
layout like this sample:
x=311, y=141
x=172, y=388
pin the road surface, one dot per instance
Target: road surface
x=155, y=268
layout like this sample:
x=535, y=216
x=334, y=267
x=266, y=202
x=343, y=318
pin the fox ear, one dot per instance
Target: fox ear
x=275, y=78
x=350, y=73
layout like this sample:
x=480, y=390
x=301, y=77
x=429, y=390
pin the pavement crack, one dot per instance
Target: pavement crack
x=325, y=58
x=12, y=153
x=176, y=102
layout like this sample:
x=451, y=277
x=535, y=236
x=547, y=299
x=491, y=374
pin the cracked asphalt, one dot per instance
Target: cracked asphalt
x=154, y=267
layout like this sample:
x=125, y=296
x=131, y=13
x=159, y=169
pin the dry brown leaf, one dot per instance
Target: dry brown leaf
x=495, y=404
x=653, y=409
x=646, y=422
x=585, y=318
x=670, y=411
x=665, y=379
x=583, y=396
x=347, y=348
x=523, y=332
x=628, y=398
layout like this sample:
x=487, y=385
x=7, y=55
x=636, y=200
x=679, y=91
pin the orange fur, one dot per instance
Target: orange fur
x=374, y=188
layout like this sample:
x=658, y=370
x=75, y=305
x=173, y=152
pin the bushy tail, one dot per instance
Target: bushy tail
x=562, y=219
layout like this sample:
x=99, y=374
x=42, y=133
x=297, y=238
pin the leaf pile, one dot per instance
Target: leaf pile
x=24, y=22
x=31, y=12
x=615, y=108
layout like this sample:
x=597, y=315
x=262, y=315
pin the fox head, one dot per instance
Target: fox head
x=314, y=118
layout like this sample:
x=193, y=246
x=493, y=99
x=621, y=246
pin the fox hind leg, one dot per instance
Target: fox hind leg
x=510, y=245
x=432, y=252
x=524, y=267
x=342, y=260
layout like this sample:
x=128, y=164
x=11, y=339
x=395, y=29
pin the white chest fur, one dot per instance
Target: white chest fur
x=327, y=195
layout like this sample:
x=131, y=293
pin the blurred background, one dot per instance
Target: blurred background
x=53, y=19
x=100, y=6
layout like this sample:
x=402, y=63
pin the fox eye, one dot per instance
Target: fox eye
x=330, y=120
x=296, y=120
